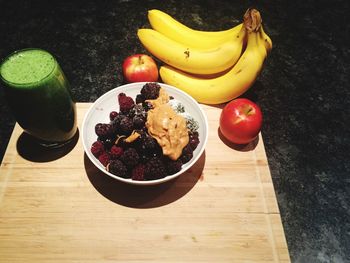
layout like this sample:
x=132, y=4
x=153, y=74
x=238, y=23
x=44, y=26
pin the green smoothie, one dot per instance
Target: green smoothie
x=24, y=68
x=39, y=95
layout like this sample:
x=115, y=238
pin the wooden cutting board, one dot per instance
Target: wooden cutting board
x=57, y=207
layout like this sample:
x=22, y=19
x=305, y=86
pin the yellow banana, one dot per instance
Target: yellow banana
x=170, y=27
x=189, y=59
x=232, y=83
x=267, y=39
x=173, y=29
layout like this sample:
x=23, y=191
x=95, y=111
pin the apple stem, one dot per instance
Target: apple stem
x=250, y=111
x=140, y=60
x=247, y=110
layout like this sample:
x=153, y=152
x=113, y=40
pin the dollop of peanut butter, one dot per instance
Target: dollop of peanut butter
x=167, y=127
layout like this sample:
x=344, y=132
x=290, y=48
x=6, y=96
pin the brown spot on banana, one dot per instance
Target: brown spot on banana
x=187, y=53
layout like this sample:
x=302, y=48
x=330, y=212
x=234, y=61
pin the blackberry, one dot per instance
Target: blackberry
x=187, y=154
x=155, y=169
x=139, y=98
x=149, y=145
x=126, y=126
x=138, y=172
x=186, y=157
x=130, y=157
x=138, y=121
x=144, y=158
x=116, y=167
x=150, y=90
x=116, y=122
x=103, y=130
x=97, y=148
x=187, y=149
x=121, y=142
x=142, y=134
x=147, y=106
x=137, y=110
x=113, y=115
x=98, y=128
x=126, y=103
x=107, y=142
x=172, y=167
x=194, y=140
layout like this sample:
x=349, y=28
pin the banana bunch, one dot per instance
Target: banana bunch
x=171, y=28
x=213, y=67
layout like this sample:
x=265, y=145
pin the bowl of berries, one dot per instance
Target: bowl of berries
x=144, y=133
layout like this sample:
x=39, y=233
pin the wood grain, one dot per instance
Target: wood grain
x=57, y=207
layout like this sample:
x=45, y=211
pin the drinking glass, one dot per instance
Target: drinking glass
x=38, y=93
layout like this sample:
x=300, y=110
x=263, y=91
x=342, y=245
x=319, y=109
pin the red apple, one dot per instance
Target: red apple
x=240, y=121
x=139, y=68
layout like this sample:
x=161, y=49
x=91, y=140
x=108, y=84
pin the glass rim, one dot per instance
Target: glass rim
x=28, y=83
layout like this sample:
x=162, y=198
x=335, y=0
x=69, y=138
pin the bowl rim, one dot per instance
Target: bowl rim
x=146, y=182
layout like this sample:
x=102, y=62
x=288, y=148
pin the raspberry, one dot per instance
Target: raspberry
x=104, y=159
x=130, y=157
x=125, y=103
x=155, y=169
x=116, y=167
x=97, y=148
x=116, y=152
x=138, y=172
x=150, y=91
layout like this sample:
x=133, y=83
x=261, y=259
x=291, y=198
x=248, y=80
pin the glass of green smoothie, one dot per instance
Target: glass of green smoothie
x=39, y=96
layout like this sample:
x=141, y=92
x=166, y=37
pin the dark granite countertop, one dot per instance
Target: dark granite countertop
x=303, y=91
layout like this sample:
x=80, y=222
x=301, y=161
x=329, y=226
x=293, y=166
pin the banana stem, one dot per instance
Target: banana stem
x=252, y=20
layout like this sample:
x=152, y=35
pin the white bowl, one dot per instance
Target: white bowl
x=99, y=113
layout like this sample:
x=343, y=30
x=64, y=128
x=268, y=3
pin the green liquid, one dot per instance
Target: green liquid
x=27, y=67
x=39, y=95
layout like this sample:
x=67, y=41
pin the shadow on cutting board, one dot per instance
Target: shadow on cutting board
x=144, y=196
x=29, y=149
x=239, y=147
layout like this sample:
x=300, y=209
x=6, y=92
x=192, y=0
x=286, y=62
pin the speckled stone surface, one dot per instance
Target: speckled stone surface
x=303, y=91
